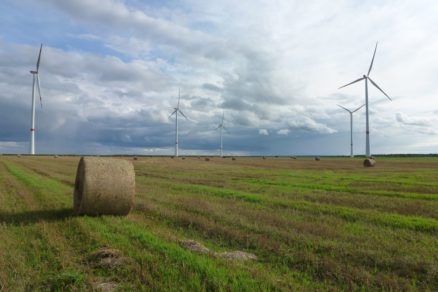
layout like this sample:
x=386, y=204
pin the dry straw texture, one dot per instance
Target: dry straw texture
x=104, y=186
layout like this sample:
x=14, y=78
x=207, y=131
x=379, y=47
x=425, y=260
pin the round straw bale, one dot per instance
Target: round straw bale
x=135, y=158
x=317, y=158
x=233, y=158
x=104, y=186
x=264, y=157
x=207, y=159
x=369, y=162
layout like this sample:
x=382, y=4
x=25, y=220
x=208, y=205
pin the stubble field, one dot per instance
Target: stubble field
x=326, y=225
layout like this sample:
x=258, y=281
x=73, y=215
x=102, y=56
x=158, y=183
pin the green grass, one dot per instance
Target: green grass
x=324, y=225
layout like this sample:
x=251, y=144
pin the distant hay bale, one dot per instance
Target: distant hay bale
x=317, y=158
x=233, y=158
x=104, y=186
x=135, y=158
x=369, y=162
x=207, y=159
x=56, y=156
x=18, y=155
x=293, y=157
x=183, y=158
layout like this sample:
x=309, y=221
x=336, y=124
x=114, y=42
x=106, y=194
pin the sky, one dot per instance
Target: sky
x=111, y=70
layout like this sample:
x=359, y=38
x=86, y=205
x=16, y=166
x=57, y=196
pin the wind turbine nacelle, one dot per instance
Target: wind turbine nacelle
x=33, y=72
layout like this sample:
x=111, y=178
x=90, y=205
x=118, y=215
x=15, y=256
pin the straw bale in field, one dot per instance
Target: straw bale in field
x=369, y=162
x=104, y=186
x=317, y=158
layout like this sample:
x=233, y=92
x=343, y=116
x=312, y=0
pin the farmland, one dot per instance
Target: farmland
x=326, y=225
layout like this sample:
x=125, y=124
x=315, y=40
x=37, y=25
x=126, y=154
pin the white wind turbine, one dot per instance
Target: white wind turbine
x=221, y=127
x=366, y=78
x=36, y=82
x=175, y=112
x=351, y=125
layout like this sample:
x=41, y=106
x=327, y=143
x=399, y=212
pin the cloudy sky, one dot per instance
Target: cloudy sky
x=111, y=69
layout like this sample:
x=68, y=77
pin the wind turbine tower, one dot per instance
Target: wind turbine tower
x=351, y=125
x=36, y=82
x=175, y=112
x=221, y=127
x=368, y=78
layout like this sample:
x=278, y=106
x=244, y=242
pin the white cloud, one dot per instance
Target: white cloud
x=263, y=132
x=283, y=132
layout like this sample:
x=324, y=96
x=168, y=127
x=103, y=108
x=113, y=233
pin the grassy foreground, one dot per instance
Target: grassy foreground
x=324, y=225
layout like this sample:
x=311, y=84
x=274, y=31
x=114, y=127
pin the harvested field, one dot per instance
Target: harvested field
x=328, y=225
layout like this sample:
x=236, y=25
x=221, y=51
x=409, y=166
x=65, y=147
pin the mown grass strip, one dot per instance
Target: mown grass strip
x=340, y=189
x=349, y=214
x=42, y=186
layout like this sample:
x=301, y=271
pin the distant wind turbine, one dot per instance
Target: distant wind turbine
x=221, y=127
x=175, y=112
x=366, y=78
x=351, y=125
x=36, y=82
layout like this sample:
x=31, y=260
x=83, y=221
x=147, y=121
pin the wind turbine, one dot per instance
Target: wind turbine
x=175, y=112
x=36, y=82
x=221, y=127
x=351, y=125
x=366, y=78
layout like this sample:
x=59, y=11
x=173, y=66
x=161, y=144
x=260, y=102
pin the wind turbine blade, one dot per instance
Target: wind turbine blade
x=179, y=97
x=182, y=114
x=372, y=60
x=344, y=108
x=358, y=108
x=39, y=89
x=360, y=79
x=172, y=114
x=39, y=59
x=379, y=88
